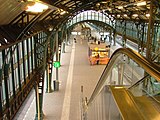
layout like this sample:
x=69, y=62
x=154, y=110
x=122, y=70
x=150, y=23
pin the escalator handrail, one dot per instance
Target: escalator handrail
x=150, y=67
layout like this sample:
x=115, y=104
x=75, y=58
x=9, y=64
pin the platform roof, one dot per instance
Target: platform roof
x=16, y=23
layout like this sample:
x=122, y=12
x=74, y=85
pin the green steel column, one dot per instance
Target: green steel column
x=35, y=52
x=150, y=32
x=47, y=81
x=13, y=82
x=63, y=41
x=110, y=37
x=6, y=77
x=138, y=37
x=39, y=98
x=28, y=60
x=56, y=82
x=1, y=109
x=114, y=38
x=23, y=58
x=124, y=35
x=18, y=64
x=114, y=34
x=49, y=67
x=59, y=44
x=142, y=38
x=12, y=69
x=31, y=54
x=155, y=38
x=66, y=39
x=63, y=47
x=49, y=77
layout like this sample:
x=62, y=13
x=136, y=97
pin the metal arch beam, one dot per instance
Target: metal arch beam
x=93, y=22
x=83, y=6
x=31, y=23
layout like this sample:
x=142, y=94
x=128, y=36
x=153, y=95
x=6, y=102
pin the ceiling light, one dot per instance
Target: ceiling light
x=148, y=15
x=118, y=15
x=135, y=15
x=36, y=7
x=125, y=15
x=120, y=7
x=98, y=4
x=63, y=12
x=109, y=9
x=141, y=3
x=104, y=2
x=50, y=28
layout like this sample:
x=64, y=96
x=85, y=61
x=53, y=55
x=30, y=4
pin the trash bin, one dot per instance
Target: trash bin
x=56, y=85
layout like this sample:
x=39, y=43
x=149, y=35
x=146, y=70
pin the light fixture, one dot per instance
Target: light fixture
x=109, y=9
x=98, y=4
x=36, y=7
x=62, y=12
x=5, y=40
x=50, y=28
x=125, y=15
x=118, y=15
x=147, y=15
x=120, y=7
x=135, y=15
x=141, y=3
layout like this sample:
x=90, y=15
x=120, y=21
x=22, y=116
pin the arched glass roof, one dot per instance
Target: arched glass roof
x=91, y=15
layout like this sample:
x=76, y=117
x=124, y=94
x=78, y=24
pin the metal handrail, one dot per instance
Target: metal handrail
x=150, y=67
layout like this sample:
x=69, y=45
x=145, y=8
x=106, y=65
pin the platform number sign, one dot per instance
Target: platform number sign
x=56, y=64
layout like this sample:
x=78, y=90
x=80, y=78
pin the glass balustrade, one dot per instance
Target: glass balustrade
x=134, y=80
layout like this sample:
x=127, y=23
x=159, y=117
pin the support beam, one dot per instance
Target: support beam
x=49, y=77
x=6, y=77
x=1, y=109
x=150, y=33
x=28, y=59
x=18, y=62
x=31, y=39
x=39, y=96
x=114, y=38
x=124, y=35
x=23, y=57
x=56, y=82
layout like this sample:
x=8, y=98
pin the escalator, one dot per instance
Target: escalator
x=129, y=89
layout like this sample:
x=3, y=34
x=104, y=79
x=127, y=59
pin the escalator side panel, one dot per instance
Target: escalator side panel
x=126, y=105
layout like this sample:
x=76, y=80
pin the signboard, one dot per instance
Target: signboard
x=56, y=64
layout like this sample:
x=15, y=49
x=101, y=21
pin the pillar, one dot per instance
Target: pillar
x=63, y=47
x=150, y=32
x=114, y=38
x=124, y=35
x=49, y=76
x=38, y=86
x=56, y=82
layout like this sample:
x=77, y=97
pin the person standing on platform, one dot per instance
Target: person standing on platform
x=75, y=41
